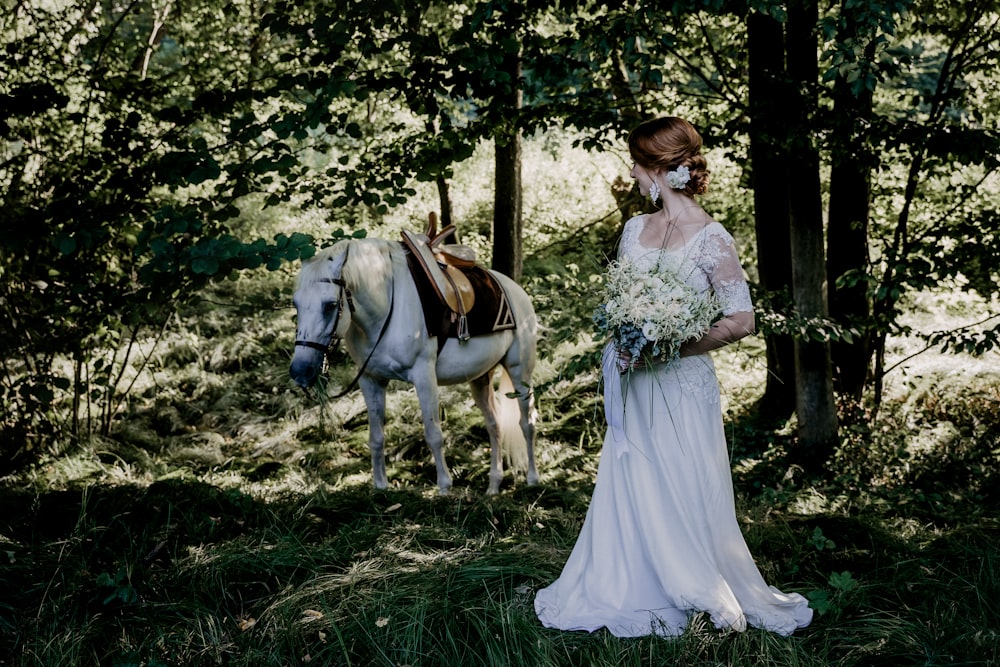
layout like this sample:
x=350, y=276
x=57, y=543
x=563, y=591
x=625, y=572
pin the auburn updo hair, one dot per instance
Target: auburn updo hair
x=663, y=144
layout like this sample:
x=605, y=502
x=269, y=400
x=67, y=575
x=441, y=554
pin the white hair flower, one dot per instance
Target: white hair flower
x=679, y=177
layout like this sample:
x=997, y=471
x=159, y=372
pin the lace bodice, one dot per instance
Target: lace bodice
x=707, y=261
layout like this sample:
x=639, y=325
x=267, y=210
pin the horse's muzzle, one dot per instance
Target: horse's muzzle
x=304, y=371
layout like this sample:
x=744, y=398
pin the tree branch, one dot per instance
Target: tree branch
x=933, y=345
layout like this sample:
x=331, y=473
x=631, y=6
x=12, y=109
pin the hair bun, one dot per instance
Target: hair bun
x=666, y=143
x=700, y=176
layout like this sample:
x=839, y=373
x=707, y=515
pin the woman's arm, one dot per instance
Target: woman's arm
x=725, y=273
x=725, y=331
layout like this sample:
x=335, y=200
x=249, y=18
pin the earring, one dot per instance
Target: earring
x=654, y=192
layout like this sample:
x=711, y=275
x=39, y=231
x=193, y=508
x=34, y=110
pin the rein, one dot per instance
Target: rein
x=325, y=349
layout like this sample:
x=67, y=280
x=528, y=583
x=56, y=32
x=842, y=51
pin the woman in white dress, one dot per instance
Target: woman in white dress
x=661, y=541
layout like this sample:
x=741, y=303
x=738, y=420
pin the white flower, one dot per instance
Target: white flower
x=678, y=178
x=651, y=312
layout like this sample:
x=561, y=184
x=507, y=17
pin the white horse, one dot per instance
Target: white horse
x=384, y=332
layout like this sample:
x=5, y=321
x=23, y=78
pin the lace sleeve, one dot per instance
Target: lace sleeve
x=630, y=236
x=721, y=263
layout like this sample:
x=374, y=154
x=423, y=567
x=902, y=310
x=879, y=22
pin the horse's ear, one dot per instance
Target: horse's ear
x=337, y=268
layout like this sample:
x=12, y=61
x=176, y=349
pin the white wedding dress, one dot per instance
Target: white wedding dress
x=661, y=541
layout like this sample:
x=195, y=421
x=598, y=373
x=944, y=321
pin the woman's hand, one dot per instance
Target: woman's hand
x=625, y=363
x=723, y=332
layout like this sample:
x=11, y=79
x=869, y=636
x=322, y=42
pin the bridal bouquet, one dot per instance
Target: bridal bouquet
x=649, y=313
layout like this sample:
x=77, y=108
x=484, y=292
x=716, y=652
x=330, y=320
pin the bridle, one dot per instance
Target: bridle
x=345, y=295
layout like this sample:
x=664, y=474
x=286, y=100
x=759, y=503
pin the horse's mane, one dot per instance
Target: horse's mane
x=367, y=270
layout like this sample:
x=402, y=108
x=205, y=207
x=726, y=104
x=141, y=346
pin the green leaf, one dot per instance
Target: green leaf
x=205, y=265
x=843, y=581
x=820, y=602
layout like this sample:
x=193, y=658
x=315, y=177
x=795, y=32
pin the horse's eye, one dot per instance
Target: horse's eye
x=329, y=307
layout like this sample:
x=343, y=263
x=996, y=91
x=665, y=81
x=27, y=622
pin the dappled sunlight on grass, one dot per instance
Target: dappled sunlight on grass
x=811, y=501
x=911, y=362
x=742, y=372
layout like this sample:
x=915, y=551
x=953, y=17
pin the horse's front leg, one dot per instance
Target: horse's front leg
x=374, y=393
x=427, y=394
x=482, y=394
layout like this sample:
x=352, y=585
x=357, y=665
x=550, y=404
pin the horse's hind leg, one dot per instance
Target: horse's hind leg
x=374, y=393
x=519, y=375
x=527, y=403
x=482, y=394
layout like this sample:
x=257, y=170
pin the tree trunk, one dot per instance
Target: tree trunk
x=629, y=200
x=507, y=207
x=769, y=173
x=444, y=191
x=507, y=221
x=847, y=226
x=814, y=404
x=444, y=196
x=847, y=238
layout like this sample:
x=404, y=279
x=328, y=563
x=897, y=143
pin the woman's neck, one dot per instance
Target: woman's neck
x=680, y=208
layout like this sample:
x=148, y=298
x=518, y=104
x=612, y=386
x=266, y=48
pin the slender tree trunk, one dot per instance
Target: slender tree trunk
x=625, y=191
x=507, y=221
x=507, y=207
x=847, y=224
x=444, y=197
x=847, y=236
x=769, y=170
x=444, y=192
x=814, y=404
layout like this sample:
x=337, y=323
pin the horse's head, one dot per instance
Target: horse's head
x=355, y=273
x=319, y=301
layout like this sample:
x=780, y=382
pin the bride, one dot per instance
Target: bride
x=661, y=541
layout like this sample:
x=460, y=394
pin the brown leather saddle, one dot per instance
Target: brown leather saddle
x=445, y=266
x=450, y=283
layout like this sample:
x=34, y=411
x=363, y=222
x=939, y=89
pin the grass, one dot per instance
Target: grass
x=181, y=572
x=230, y=520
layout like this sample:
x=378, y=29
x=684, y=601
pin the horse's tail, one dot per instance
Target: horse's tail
x=508, y=412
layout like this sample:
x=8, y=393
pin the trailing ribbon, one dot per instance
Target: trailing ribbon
x=614, y=399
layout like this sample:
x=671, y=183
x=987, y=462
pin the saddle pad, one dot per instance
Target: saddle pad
x=490, y=313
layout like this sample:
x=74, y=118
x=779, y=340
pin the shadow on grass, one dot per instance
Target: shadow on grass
x=184, y=572
x=121, y=566
x=896, y=545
